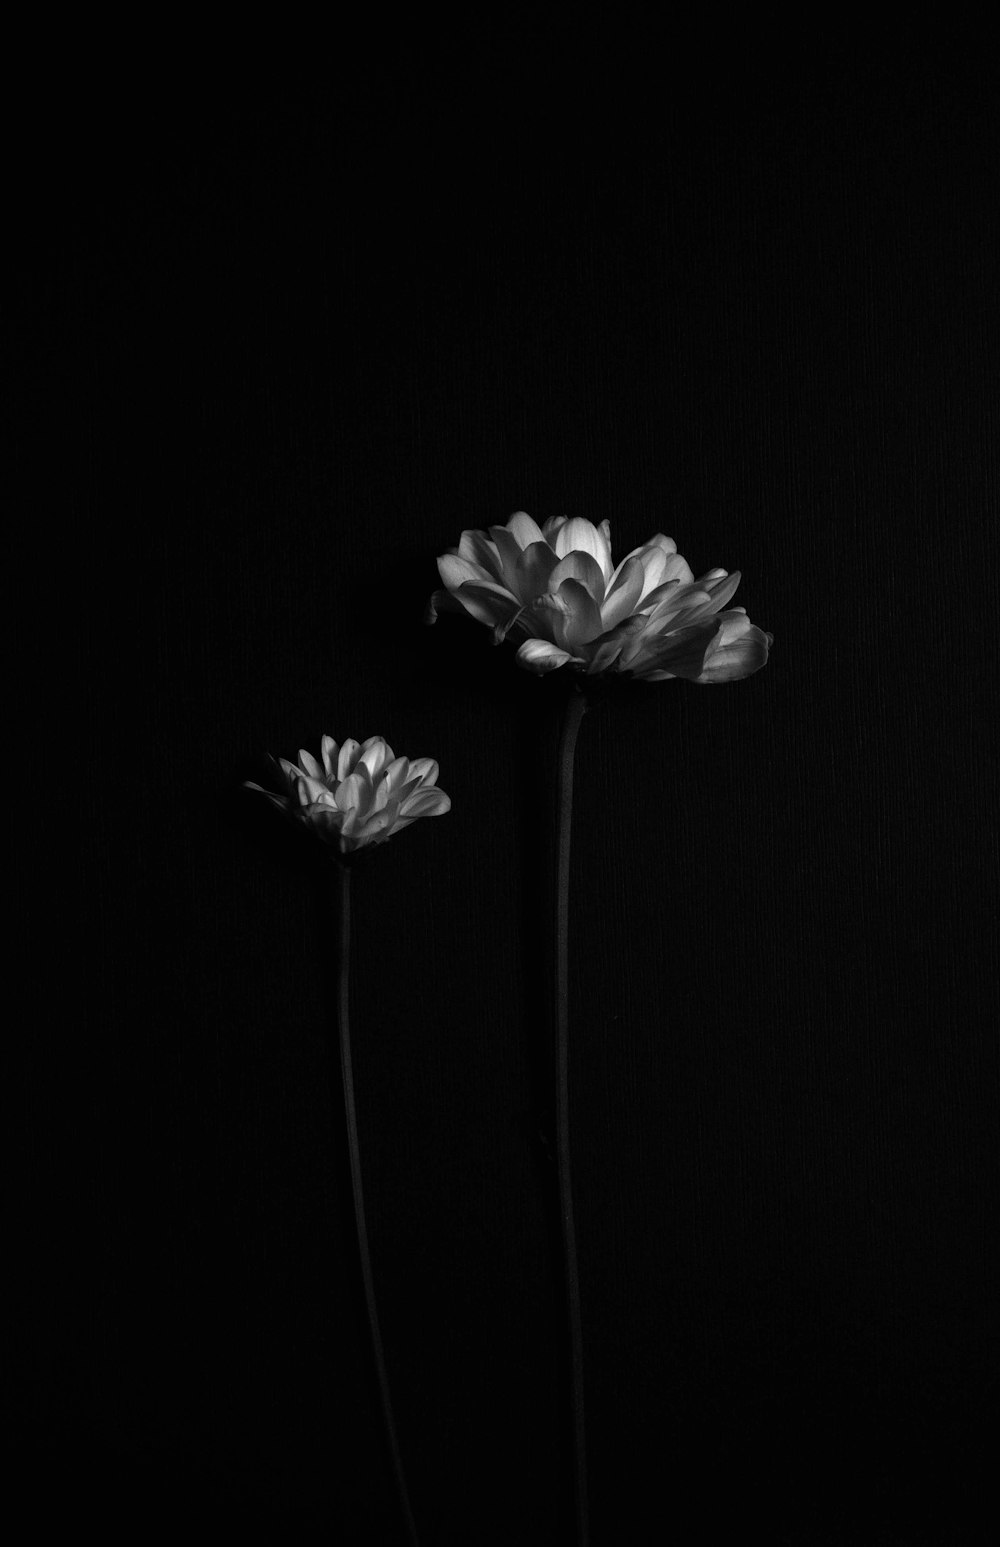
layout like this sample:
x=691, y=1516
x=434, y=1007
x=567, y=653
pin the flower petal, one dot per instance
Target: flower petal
x=582, y=567
x=524, y=530
x=440, y=601
x=534, y=568
x=509, y=552
x=396, y=773
x=375, y=754
x=456, y=571
x=583, y=616
x=488, y=603
x=349, y=754
x=604, y=543
x=739, y=649
x=281, y=801
x=623, y=597
x=538, y=655
x=355, y=793
x=577, y=535
x=720, y=586
x=476, y=548
x=309, y=764
x=425, y=803
x=329, y=749
x=319, y=792
x=681, y=652
x=425, y=769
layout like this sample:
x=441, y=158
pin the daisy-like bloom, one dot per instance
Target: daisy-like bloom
x=556, y=589
x=356, y=794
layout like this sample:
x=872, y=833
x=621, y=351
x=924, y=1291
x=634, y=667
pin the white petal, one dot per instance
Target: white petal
x=476, y=548
x=309, y=764
x=739, y=649
x=425, y=769
x=583, y=567
x=524, y=530
x=396, y=773
x=539, y=656
x=425, y=803
x=455, y=571
x=329, y=749
x=375, y=754
x=623, y=597
x=355, y=793
x=578, y=535
x=349, y=754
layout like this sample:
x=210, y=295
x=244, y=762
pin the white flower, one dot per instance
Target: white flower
x=556, y=588
x=359, y=793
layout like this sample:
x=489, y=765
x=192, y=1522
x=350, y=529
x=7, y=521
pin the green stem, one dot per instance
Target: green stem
x=575, y=708
x=347, y=1080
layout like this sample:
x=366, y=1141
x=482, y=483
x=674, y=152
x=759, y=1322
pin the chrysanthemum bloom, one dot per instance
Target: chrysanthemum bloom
x=555, y=587
x=359, y=794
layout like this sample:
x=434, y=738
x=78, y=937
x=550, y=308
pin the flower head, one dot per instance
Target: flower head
x=556, y=589
x=358, y=793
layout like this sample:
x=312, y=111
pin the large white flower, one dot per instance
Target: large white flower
x=356, y=794
x=556, y=588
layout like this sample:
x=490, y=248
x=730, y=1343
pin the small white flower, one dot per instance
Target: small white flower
x=555, y=587
x=358, y=793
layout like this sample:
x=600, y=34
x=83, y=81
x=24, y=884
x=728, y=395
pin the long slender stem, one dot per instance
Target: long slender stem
x=347, y=1079
x=574, y=711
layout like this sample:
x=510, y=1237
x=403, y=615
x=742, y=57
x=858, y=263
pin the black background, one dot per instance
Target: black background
x=280, y=333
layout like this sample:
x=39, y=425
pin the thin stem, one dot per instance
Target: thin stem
x=573, y=714
x=347, y=1079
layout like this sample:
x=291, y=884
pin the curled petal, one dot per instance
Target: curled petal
x=681, y=652
x=739, y=649
x=425, y=769
x=583, y=567
x=425, y=803
x=440, y=601
x=582, y=619
x=538, y=655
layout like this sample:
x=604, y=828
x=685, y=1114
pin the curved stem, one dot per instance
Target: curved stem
x=573, y=714
x=347, y=1080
